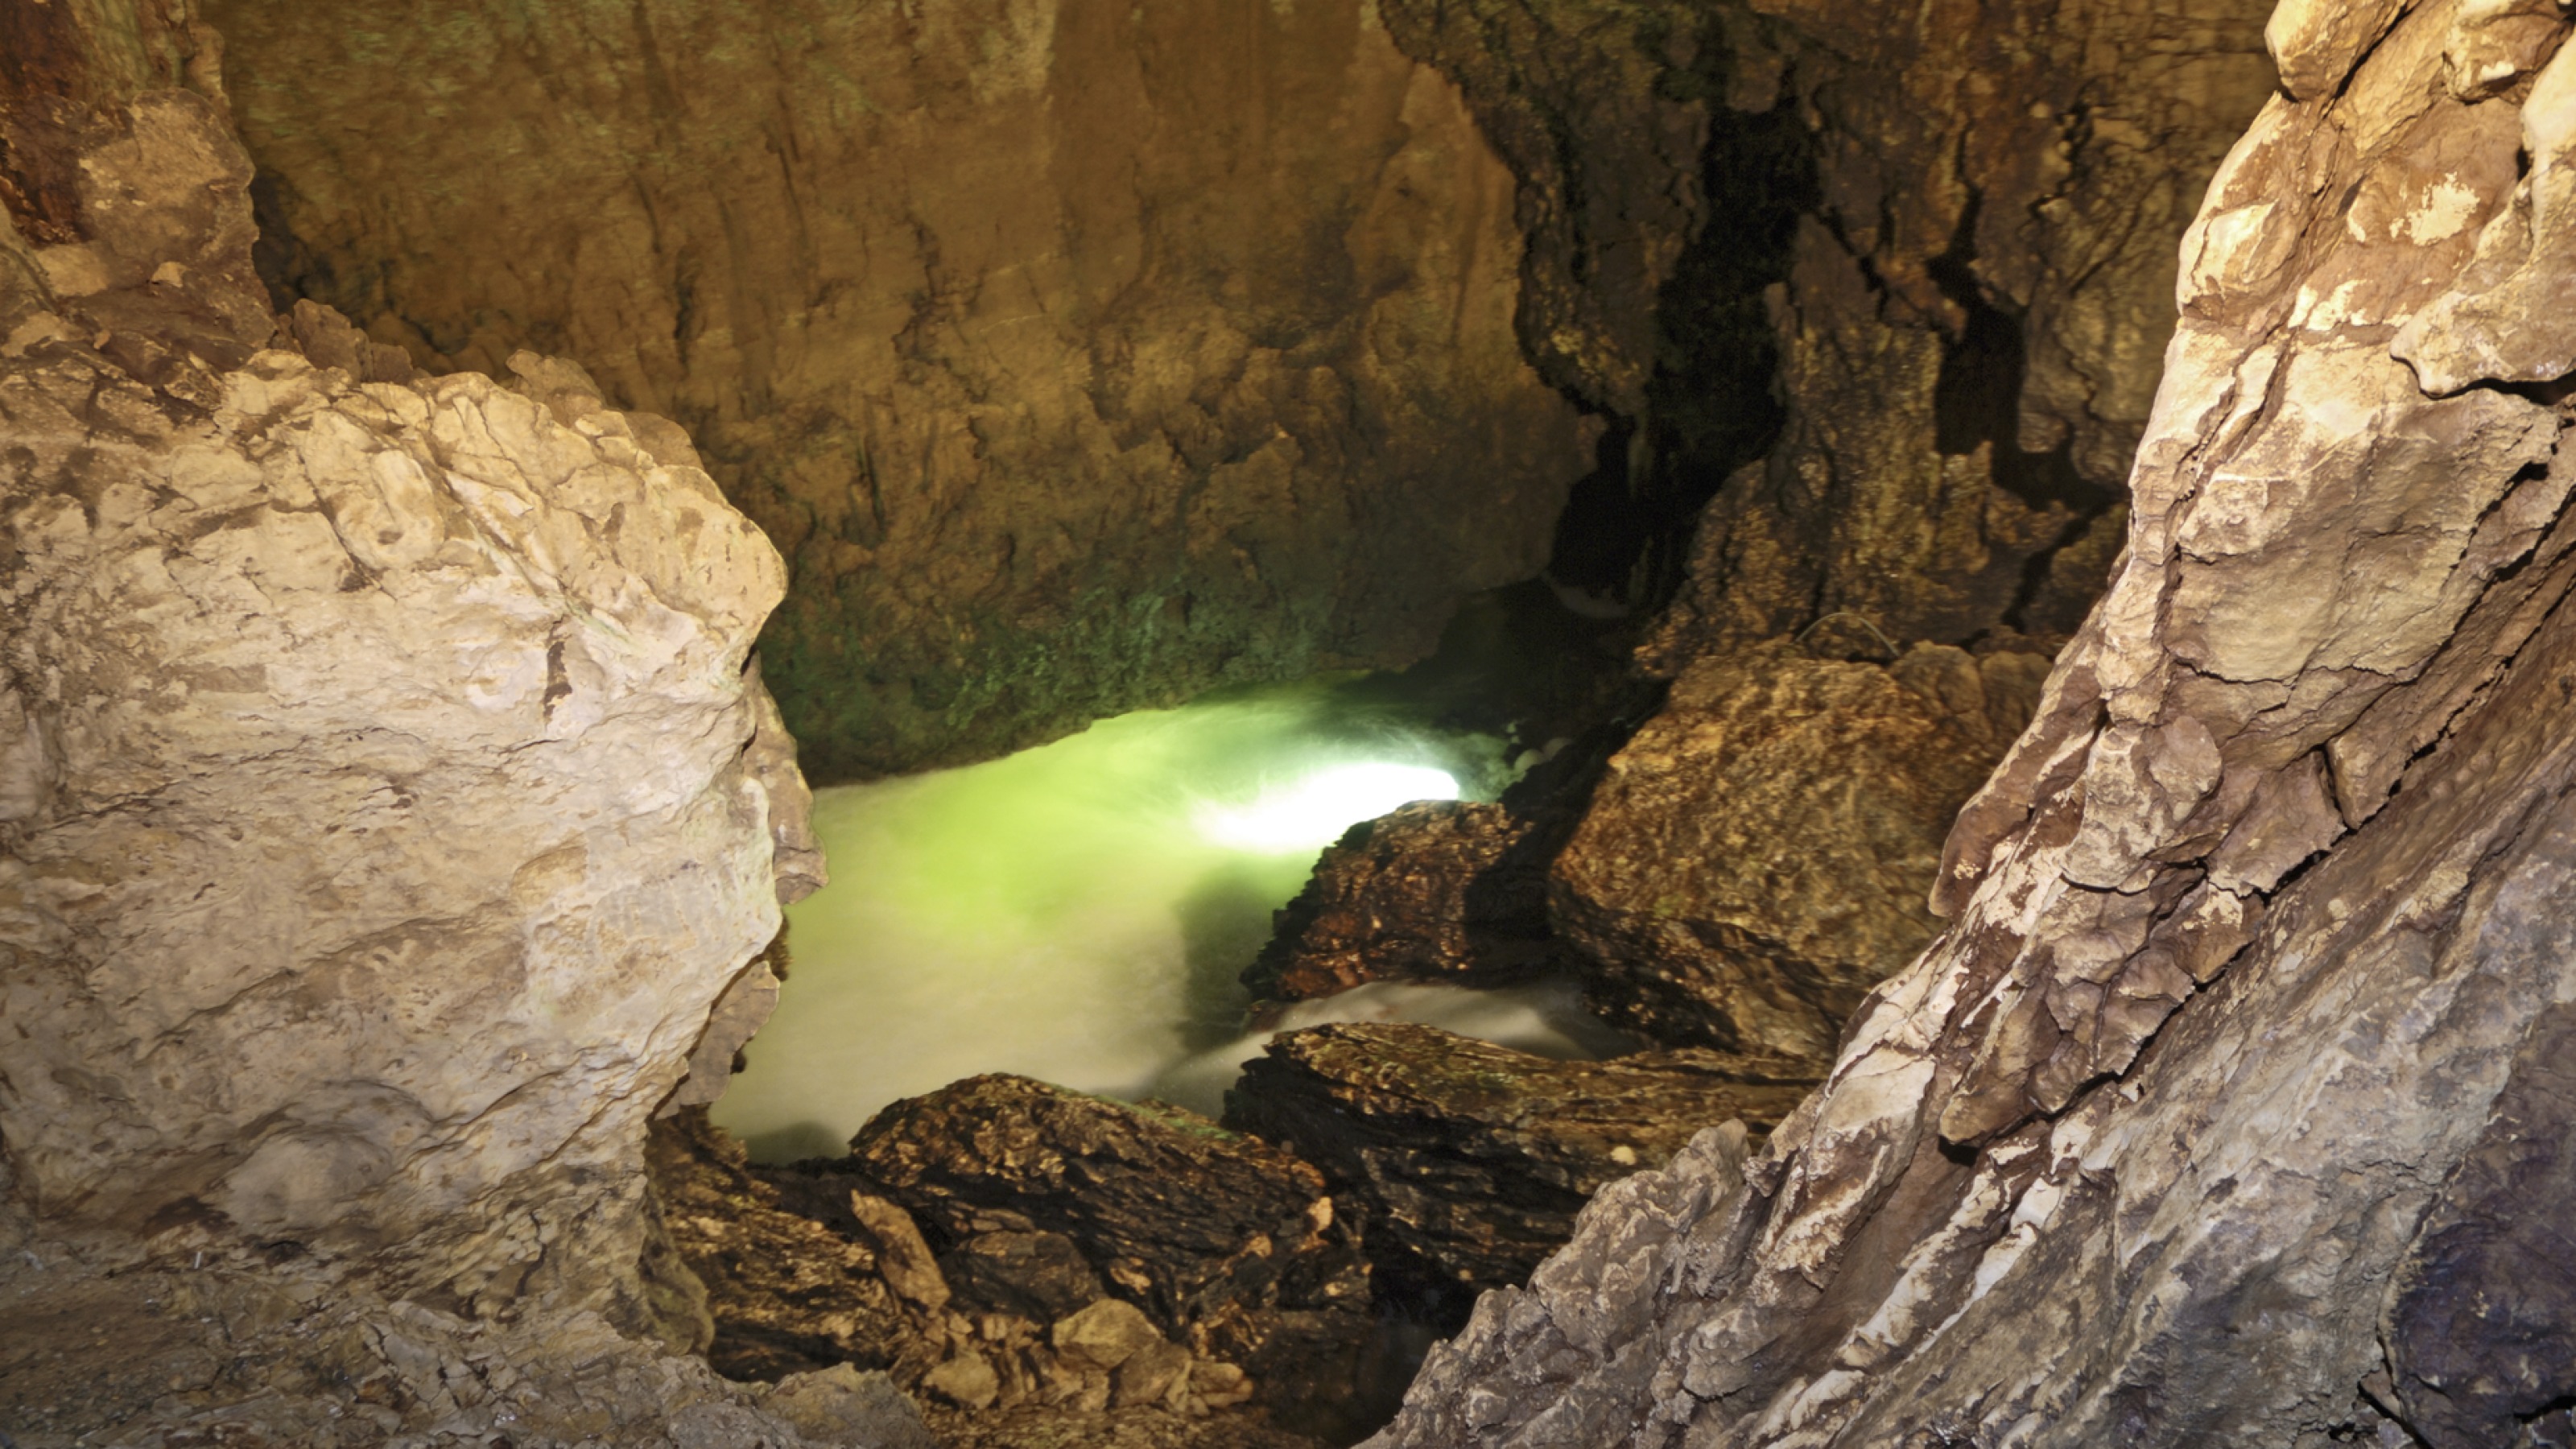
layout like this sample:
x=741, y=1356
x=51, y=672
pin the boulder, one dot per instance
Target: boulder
x=1761, y=852
x=377, y=818
x=1040, y=1276
x=1176, y=1214
x=1439, y=890
x=1104, y=1335
x=1226, y=1244
x=1467, y=1161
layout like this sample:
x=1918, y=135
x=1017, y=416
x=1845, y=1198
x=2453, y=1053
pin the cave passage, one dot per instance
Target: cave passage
x=1080, y=912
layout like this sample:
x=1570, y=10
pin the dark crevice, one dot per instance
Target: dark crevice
x=1712, y=401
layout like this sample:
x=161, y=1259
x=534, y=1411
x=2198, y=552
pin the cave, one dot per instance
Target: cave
x=1025, y=724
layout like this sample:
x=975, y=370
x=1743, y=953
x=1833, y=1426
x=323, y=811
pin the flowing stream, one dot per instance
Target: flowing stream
x=1079, y=912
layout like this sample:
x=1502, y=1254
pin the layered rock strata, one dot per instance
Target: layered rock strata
x=1466, y=1162
x=2222, y=1111
x=1079, y=359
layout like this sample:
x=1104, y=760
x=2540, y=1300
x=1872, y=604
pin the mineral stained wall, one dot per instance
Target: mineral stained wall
x=1078, y=357
x=2231, y=1106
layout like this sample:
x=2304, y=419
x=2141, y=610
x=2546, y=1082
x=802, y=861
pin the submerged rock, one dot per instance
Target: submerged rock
x=1468, y=1161
x=1438, y=890
x=1760, y=853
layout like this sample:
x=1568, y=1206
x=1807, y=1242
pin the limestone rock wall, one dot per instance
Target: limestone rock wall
x=2226, y=1109
x=1078, y=357
x=380, y=812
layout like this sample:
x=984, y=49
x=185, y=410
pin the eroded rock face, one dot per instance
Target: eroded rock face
x=378, y=832
x=1078, y=358
x=238, y=839
x=2195, y=1125
x=1758, y=856
x=385, y=802
x=1469, y=1160
x=1966, y=216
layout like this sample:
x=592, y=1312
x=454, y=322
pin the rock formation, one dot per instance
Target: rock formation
x=1466, y=1162
x=1229, y=1245
x=2227, y=1107
x=1437, y=890
x=1757, y=856
x=1078, y=358
x=1875, y=295
x=385, y=803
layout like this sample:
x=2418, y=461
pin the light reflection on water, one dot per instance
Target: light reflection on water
x=1079, y=912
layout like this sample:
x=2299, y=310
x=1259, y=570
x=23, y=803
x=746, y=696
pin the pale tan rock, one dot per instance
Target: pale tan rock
x=903, y=1259
x=1104, y=1335
x=965, y=1380
x=1150, y=1375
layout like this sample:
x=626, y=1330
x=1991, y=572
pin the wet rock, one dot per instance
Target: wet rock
x=1449, y=891
x=2198, y=1123
x=1077, y=360
x=1760, y=853
x=1468, y=1161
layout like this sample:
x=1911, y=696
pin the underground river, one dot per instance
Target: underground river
x=1080, y=912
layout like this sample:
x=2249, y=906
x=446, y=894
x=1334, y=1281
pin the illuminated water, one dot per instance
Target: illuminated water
x=1079, y=912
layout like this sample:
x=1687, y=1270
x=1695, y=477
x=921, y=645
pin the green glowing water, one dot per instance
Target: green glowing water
x=1077, y=912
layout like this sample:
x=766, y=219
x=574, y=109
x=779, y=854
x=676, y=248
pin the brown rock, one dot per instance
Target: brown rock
x=903, y=1260
x=1468, y=1161
x=1172, y=1211
x=1078, y=360
x=1038, y=1275
x=787, y=1294
x=1759, y=854
x=1433, y=891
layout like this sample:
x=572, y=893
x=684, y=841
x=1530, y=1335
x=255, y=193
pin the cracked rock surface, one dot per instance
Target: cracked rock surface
x=2198, y=1122
x=385, y=803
